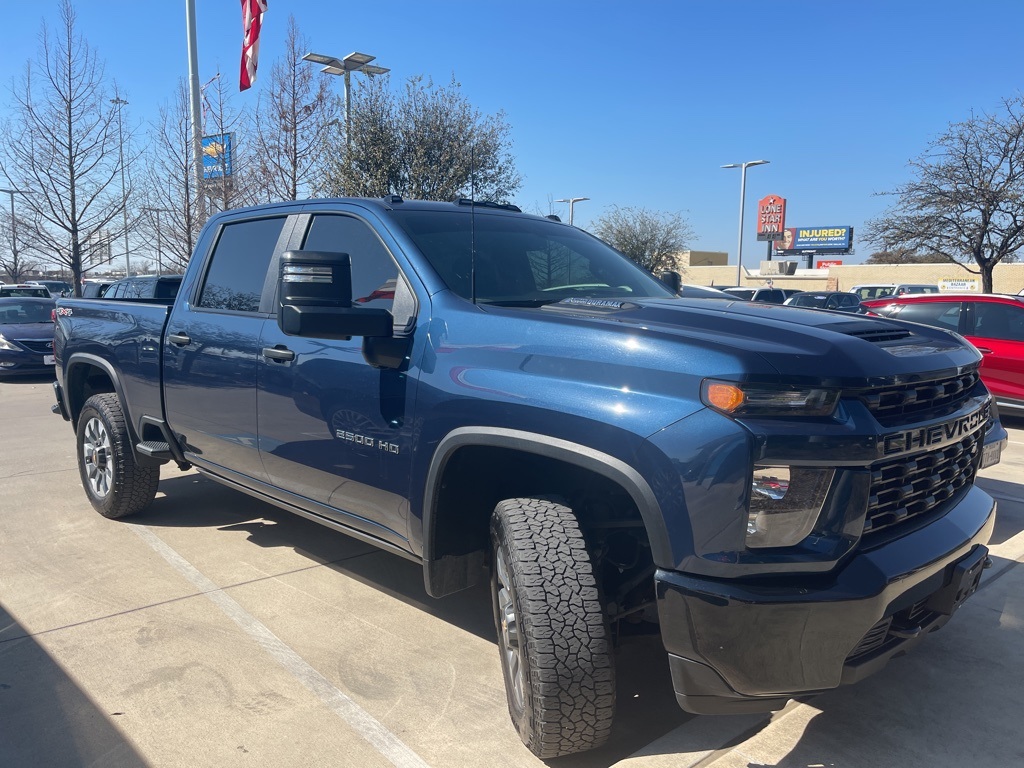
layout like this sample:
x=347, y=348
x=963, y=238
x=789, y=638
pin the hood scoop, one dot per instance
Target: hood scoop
x=879, y=335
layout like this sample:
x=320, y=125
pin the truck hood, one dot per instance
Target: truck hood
x=840, y=348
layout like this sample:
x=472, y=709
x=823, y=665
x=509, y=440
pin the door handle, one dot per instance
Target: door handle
x=179, y=339
x=281, y=353
x=985, y=350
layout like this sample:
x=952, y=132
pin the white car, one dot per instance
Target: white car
x=881, y=290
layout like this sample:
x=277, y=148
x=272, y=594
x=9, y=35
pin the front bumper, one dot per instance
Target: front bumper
x=751, y=645
x=23, y=363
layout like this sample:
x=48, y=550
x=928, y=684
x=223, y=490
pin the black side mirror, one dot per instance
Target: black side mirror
x=316, y=299
x=673, y=280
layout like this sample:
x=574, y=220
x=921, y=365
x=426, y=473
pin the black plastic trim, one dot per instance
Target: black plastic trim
x=543, y=445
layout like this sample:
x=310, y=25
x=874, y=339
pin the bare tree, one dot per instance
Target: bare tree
x=15, y=236
x=430, y=144
x=292, y=118
x=651, y=239
x=62, y=145
x=170, y=191
x=966, y=200
x=905, y=256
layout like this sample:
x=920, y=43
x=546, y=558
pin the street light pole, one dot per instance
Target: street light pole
x=14, y=227
x=120, y=103
x=354, y=62
x=572, y=202
x=743, y=192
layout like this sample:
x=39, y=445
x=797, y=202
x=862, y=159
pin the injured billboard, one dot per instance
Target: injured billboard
x=817, y=239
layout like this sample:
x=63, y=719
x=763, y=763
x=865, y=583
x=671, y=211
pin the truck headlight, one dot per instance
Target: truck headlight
x=785, y=503
x=753, y=399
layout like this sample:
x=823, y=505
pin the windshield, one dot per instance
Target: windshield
x=741, y=293
x=524, y=261
x=810, y=301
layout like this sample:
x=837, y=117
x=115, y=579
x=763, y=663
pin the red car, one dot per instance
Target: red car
x=994, y=323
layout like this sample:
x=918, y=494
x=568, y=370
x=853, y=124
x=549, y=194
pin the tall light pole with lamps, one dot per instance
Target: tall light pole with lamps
x=159, y=241
x=354, y=62
x=572, y=202
x=14, y=225
x=121, y=103
x=743, y=193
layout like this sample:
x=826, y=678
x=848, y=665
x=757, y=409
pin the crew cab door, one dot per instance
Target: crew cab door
x=333, y=429
x=212, y=347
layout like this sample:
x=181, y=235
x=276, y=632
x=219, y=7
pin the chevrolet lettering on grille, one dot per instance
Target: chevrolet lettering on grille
x=935, y=436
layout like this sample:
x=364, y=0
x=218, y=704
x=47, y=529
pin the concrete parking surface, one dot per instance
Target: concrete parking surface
x=214, y=629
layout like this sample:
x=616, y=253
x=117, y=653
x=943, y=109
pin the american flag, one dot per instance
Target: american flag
x=252, y=20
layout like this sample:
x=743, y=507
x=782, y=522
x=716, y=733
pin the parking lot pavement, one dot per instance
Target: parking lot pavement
x=217, y=630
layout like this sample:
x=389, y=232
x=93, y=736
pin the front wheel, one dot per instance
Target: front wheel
x=115, y=484
x=554, y=639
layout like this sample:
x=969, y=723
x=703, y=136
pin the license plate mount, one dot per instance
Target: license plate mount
x=963, y=581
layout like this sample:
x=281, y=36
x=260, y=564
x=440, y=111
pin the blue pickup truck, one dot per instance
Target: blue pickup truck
x=788, y=493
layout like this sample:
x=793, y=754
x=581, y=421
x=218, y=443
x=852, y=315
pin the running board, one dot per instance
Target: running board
x=155, y=450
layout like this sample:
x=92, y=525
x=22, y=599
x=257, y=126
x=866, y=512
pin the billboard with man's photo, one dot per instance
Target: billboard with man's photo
x=816, y=239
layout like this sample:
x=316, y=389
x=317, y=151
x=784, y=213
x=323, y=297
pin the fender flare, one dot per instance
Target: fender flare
x=87, y=358
x=543, y=445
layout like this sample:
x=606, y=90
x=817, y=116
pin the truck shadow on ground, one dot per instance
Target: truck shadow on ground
x=646, y=705
x=47, y=719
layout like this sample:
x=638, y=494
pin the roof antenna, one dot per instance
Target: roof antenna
x=472, y=223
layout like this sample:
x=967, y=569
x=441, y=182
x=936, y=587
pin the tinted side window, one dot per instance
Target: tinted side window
x=999, y=321
x=135, y=289
x=168, y=289
x=116, y=291
x=374, y=273
x=941, y=314
x=238, y=268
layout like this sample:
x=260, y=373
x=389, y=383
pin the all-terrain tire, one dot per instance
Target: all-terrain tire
x=553, y=635
x=115, y=484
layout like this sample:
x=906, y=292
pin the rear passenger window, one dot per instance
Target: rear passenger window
x=940, y=314
x=238, y=267
x=998, y=321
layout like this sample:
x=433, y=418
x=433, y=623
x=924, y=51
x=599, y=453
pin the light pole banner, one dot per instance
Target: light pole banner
x=217, y=155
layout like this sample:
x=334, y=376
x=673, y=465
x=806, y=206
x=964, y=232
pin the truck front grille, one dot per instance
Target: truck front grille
x=909, y=486
x=887, y=403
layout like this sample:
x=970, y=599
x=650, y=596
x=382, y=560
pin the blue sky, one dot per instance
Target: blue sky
x=629, y=104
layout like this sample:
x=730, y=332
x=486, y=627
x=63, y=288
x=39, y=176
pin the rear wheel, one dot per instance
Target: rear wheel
x=115, y=484
x=554, y=639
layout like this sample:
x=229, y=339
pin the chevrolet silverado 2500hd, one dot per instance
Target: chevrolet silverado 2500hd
x=493, y=395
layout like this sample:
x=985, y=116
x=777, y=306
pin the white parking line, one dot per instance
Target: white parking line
x=368, y=727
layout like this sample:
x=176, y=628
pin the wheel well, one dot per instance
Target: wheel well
x=84, y=381
x=476, y=478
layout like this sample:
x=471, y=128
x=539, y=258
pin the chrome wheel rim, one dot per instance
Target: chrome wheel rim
x=509, y=637
x=97, y=457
